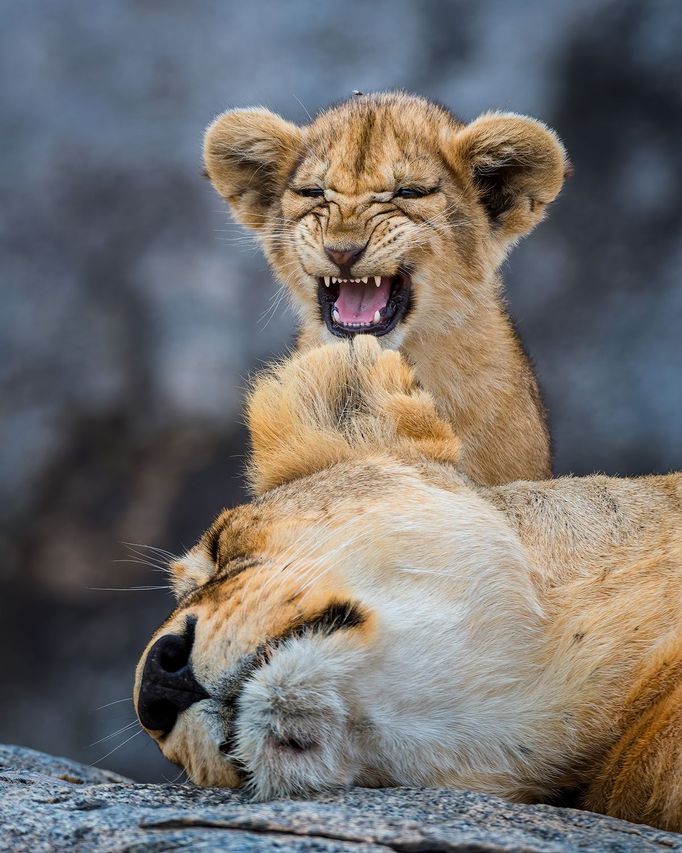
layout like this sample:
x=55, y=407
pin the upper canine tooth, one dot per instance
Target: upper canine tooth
x=377, y=280
x=326, y=281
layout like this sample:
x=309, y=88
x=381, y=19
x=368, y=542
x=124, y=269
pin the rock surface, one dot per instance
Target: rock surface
x=49, y=803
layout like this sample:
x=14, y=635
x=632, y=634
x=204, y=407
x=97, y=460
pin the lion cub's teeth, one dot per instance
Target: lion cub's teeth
x=365, y=279
x=334, y=279
x=327, y=279
x=377, y=317
x=335, y=314
x=377, y=280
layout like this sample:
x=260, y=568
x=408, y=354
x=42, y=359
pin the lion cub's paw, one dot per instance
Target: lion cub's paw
x=337, y=402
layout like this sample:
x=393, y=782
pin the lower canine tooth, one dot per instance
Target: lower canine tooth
x=335, y=314
x=377, y=317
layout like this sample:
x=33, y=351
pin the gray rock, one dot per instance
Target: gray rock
x=21, y=759
x=49, y=803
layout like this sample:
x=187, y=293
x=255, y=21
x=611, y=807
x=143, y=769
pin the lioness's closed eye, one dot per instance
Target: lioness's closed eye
x=373, y=619
x=387, y=216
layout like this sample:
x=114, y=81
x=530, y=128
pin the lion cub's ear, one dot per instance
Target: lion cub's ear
x=517, y=164
x=248, y=155
x=338, y=403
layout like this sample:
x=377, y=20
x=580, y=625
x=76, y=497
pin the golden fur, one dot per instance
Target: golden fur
x=489, y=183
x=374, y=618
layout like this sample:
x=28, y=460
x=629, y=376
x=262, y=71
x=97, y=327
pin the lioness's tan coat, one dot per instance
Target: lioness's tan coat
x=407, y=627
x=487, y=184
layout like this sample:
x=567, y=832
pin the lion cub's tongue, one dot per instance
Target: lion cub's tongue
x=358, y=303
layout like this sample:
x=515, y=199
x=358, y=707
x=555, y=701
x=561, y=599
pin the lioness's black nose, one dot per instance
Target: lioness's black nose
x=344, y=258
x=168, y=685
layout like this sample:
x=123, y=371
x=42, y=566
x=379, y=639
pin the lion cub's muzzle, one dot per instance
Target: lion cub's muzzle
x=168, y=685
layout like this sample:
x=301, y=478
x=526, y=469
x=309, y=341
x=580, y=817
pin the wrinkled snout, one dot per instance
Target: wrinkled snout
x=167, y=684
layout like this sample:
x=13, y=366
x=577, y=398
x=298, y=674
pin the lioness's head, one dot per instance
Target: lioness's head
x=385, y=215
x=367, y=619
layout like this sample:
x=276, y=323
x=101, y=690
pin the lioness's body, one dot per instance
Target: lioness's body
x=605, y=556
x=606, y=559
x=374, y=618
x=483, y=186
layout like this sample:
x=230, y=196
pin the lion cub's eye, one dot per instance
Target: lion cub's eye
x=310, y=192
x=412, y=192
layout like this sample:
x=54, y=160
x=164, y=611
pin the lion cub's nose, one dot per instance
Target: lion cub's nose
x=344, y=258
x=168, y=685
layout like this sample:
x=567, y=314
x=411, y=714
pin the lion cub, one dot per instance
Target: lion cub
x=387, y=216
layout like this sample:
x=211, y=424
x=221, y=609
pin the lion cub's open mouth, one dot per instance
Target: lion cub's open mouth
x=371, y=305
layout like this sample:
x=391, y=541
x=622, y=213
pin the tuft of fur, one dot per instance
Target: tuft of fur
x=337, y=403
x=491, y=183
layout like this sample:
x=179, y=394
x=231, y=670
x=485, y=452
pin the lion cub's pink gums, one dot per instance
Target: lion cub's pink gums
x=387, y=216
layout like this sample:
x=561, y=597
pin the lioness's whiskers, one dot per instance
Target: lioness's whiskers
x=115, y=702
x=169, y=555
x=175, y=779
x=116, y=748
x=149, y=560
x=117, y=732
x=125, y=588
x=153, y=566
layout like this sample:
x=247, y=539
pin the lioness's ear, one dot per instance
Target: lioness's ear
x=517, y=165
x=248, y=155
x=338, y=403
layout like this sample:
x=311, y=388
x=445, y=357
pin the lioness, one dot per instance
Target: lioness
x=387, y=216
x=372, y=618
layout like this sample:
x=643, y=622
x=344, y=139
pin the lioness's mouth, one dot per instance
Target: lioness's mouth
x=372, y=305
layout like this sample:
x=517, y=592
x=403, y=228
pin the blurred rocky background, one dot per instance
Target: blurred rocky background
x=131, y=309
